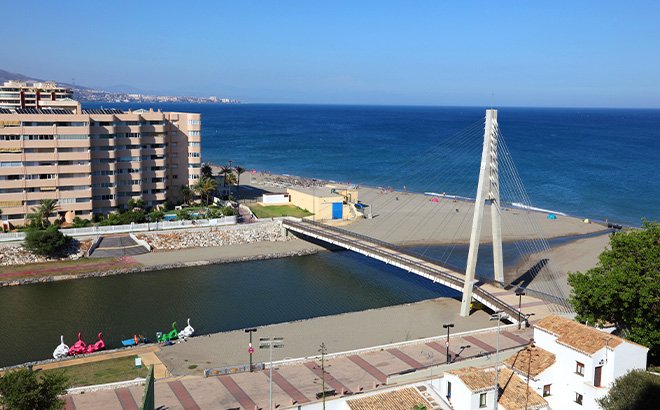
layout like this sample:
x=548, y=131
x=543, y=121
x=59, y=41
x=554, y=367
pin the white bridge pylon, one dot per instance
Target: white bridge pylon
x=488, y=189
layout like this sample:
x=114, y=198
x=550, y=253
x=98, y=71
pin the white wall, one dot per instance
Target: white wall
x=272, y=199
x=461, y=397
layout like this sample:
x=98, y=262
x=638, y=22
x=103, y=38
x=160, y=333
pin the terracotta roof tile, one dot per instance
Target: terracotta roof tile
x=515, y=393
x=475, y=379
x=580, y=337
x=402, y=399
x=531, y=359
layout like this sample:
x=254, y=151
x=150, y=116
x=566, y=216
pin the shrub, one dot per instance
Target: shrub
x=47, y=242
x=22, y=389
x=80, y=223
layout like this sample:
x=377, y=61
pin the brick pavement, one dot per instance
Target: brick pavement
x=299, y=383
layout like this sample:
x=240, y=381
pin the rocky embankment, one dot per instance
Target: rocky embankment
x=230, y=235
x=17, y=255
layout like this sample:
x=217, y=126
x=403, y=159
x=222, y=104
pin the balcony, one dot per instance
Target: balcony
x=74, y=156
x=78, y=206
x=34, y=196
x=74, y=181
x=83, y=193
x=41, y=169
x=35, y=183
x=74, y=169
x=40, y=144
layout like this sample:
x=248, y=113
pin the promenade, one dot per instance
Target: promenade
x=299, y=382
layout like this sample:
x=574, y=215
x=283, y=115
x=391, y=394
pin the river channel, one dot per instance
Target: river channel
x=216, y=297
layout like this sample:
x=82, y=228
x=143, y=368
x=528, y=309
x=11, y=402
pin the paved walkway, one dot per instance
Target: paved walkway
x=301, y=382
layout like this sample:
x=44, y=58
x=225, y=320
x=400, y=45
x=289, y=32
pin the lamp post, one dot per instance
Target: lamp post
x=520, y=293
x=497, y=316
x=460, y=351
x=270, y=344
x=323, y=351
x=250, y=348
x=448, y=326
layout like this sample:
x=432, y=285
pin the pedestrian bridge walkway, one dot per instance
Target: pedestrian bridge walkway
x=493, y=297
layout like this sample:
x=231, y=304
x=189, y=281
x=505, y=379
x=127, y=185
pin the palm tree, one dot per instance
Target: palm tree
x=239, y=171
x=205, y=187
x=40, y=215
x=206, y=170
x=226, y=170
x=186, y=193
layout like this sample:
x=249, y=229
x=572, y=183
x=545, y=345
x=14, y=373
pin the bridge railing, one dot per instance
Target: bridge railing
x=385, y=245
x=331, y=232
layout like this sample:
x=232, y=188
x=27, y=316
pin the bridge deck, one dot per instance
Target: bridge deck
x=491, y=296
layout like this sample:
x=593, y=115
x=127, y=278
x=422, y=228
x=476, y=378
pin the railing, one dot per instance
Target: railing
x=332, y=232
x=144, y=227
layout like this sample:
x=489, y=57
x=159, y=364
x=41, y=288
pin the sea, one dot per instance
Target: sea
x=593, y=163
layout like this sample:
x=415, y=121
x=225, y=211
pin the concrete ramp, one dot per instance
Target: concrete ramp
x=117, y=246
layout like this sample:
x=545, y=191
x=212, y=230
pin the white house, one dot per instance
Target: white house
x=573, y=365
x=473, y=388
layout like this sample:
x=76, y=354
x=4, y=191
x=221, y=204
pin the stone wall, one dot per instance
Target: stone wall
x=17, y=255
x=230, y=235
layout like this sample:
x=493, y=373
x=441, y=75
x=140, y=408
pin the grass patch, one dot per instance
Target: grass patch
x=192, y=366
x=274, y=211
x=56, y=268
x=106, y=371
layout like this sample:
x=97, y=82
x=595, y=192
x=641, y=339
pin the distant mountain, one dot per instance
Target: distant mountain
x=117, y=93
x=7, y=76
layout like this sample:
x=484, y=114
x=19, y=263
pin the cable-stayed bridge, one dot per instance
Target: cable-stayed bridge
x=496, y=293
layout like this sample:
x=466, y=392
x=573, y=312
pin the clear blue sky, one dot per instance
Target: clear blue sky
x=523, y=53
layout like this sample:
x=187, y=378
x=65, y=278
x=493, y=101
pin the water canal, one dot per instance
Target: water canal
x=216, y=298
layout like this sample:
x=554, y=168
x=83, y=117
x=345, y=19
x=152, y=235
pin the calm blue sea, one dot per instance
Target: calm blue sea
x=597, y=163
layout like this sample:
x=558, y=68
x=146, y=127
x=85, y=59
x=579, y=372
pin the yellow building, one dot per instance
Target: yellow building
x=324, y=202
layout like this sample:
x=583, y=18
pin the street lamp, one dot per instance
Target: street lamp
x=270, y=344
x=323, y=350
x=448, y=326
x=497, y=316
x=460, y=351
x=250, y=348
x=520, y=293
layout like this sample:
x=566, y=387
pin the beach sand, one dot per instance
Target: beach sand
x=416, y=219
x=340, y=333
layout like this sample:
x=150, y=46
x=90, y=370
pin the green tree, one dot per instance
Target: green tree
x=205, y=187
x=636, y=389
x=624, y=288
x=135, y=203
x=23, y=390
x=155, y=216
x=47, y=242
x=206, y=171
x=186, y=194
x=39, y=216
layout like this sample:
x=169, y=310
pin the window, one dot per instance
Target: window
x=546, y=390
x=579, y=368
x=482, y=400
x=448, y=390
x=195, y=133
x=578, y=398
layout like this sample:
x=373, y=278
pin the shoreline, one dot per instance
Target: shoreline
x=304, y=249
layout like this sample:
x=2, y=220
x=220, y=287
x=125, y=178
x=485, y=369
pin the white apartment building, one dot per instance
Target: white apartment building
x=587, y=361
x=24, y=94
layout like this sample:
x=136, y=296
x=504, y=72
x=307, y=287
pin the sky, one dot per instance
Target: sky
x=476, y=53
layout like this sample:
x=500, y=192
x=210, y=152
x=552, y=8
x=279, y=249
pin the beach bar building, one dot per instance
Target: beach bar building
x=324, y=202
